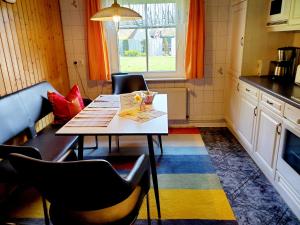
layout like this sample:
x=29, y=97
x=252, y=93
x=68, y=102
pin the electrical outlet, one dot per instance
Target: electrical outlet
x=78, y=62
x=259, y=65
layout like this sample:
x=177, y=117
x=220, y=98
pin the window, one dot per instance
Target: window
x=154, y=45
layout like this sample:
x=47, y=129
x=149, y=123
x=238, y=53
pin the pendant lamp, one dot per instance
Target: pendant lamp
x=116, y=13
x=10, y=1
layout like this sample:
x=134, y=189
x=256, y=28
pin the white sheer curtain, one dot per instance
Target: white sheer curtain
x=158, y=13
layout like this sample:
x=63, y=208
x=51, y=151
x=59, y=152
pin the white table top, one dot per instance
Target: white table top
x=123, y=126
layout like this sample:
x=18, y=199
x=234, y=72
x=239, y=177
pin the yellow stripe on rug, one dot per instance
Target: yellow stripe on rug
x=175, y=204
x=191, y=204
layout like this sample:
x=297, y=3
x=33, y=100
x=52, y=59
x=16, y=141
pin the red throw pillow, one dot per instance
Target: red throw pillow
x=65, y=108
x=75, y=93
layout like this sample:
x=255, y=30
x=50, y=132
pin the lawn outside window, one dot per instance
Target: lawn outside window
x=153, y=46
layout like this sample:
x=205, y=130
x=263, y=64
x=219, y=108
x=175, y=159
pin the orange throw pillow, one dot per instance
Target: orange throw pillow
x=65, y=108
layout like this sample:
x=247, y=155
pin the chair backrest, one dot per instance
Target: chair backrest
x=20, y=110
x=77, y=185
x=126, y=83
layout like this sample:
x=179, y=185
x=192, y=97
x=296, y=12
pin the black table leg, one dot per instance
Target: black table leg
x=80, y=147
x=154, y=173
x=109, y=143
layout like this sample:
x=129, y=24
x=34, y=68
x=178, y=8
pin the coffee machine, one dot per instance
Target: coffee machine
x=286, y=65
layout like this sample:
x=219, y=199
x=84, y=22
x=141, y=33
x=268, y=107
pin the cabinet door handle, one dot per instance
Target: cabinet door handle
x=270, y=103
x=278, y=129
x=255, y=111
x=242, y=41
x=238, y=87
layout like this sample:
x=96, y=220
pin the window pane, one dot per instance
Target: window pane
x=140, y=8
x=162, y=49
x=161, y=14
x=132, y=50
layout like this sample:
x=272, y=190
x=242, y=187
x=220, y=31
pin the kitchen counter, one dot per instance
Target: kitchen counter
x=287, y=92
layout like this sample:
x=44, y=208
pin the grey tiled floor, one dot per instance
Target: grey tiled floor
x=252, y=197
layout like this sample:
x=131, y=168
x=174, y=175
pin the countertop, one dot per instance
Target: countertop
x=285, y=91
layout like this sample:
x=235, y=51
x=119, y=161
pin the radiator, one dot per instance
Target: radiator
x=177, y=102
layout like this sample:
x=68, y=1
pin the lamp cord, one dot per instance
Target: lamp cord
x=80, y=79
x=81, y=82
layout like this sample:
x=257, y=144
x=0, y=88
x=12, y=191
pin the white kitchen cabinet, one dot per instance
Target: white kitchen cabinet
x=295, y=13
x=293, y=20
x=267, y=141
x=233, y=102
x=247, y=122
x=238, y=19
x=250, y=44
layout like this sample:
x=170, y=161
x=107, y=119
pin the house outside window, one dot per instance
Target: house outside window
x=155, y=45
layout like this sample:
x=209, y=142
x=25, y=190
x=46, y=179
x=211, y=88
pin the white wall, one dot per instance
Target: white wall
x=206, y=96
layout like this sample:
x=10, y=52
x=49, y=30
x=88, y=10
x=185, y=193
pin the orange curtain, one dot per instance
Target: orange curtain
x=194, y=58
x=96, y=44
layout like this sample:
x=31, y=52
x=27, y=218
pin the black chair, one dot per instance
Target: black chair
x=88, y=191
x=9, y=174
x=126, y=83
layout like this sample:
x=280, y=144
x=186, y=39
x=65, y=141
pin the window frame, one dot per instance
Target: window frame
x=179, y=73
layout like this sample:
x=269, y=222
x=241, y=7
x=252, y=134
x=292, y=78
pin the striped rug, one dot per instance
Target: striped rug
x=190, y=191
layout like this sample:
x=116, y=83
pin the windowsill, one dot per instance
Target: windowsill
x=165, y=79
x=161, y=79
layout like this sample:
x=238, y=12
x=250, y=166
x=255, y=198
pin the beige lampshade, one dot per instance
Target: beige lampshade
x=115, y=10
x=10, y=1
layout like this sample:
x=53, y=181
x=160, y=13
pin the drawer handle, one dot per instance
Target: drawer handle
x=270, y=103
x=247, y=90
x=255, y=111
x=278, y=129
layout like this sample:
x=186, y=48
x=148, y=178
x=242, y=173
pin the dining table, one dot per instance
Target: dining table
x=123, y=126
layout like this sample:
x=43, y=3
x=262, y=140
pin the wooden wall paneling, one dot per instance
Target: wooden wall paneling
x=59, y=46
x=60, y=71
x=11, y=47
x=31, y=26
x=9, y=75
x=30, y=40
x=23, y=34
x=53, y=69
x=20, y=75
x=54, y=56
x=39, y=18
x=2, y=86
x=44, y=42
x=37, y=30
x=18, y=27
x=31, y=45
x=4, y=79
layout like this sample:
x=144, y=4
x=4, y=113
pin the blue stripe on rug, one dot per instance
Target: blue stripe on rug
x=143, y=222
x=187, y=222
x=185, y=150
x=167, y=164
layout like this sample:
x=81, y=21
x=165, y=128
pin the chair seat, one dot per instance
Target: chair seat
x=109, y=215
x=52, y=147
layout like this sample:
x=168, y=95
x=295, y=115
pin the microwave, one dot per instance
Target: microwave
x=278, y=12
